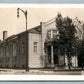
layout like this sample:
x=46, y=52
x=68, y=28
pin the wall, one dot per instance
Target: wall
x=15, y=60
x=21, y=55
x=35, y=60
x=8, y=60
x=74, y=61
x=46, y=26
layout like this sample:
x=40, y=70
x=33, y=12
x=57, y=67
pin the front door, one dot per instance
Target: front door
x=55, y=53
x=80, y=61
x=49, y=54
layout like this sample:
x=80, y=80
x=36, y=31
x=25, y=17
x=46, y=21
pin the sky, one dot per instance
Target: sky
x=9, y=21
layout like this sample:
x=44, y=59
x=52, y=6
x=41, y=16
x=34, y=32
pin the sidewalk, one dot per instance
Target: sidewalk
x=39, y=72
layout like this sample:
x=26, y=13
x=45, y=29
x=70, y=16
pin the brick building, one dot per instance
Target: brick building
x=42, y=52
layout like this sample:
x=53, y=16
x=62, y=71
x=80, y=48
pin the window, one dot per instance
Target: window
x=1, y=55
x=1, y=51
x=23, y=47
x=14, y=58
x=14, y=52
x=57, y=32
x=1, y=66
x=52, y=34
x=49, y=34
x=23, y=66
x=7, y=51
x=1, y=60
x=7, y=66
x=14, y=66
x=35, y=46
x=7, y=59
x=14, y=49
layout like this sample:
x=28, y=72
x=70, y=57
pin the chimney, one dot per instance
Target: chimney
x=4, y=35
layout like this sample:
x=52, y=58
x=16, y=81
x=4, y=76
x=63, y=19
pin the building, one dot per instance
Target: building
x=42, y=51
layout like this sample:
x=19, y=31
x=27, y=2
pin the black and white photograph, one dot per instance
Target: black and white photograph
x=42, y=39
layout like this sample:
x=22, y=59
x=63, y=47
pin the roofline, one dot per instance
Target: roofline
x=20, y=33
x=28, y=30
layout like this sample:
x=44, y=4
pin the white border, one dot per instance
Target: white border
x=43, y=5
x=41, y=77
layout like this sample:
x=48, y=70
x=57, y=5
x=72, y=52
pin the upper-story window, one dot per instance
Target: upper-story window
x=49, y=34
x=35, y=46
x=52, y=34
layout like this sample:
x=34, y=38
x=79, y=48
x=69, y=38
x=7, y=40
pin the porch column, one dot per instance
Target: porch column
x=52, y=59
x=46, y=54
x=52, y=49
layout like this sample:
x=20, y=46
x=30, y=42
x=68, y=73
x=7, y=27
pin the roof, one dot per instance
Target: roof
x=36, y=30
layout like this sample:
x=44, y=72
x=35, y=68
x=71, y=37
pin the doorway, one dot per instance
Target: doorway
x=80, y=61
x=55, y=52
x=49, y=54
x=55, y=55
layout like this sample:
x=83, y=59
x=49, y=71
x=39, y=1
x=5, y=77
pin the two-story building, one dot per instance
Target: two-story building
x=42, y=51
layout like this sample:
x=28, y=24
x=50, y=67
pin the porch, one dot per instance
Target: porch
x=57, y=59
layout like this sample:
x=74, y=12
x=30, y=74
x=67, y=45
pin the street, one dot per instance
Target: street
x=38, y=72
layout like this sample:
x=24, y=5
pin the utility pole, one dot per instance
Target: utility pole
x=25, y=13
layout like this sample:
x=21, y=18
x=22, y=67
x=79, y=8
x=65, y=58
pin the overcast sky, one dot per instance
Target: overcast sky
x=9, y=21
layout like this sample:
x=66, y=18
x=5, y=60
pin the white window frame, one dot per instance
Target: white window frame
x=35, y=46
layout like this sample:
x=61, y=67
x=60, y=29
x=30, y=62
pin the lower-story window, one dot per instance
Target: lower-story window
x=7, y=59
x=1, y=60
x=14, y=58
x=14, y=66
x=23, y=66
x=7, y=66
x=1, y=66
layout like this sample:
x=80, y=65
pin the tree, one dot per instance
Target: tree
x=67, y=37
x=80, y=51
x=80, y=42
